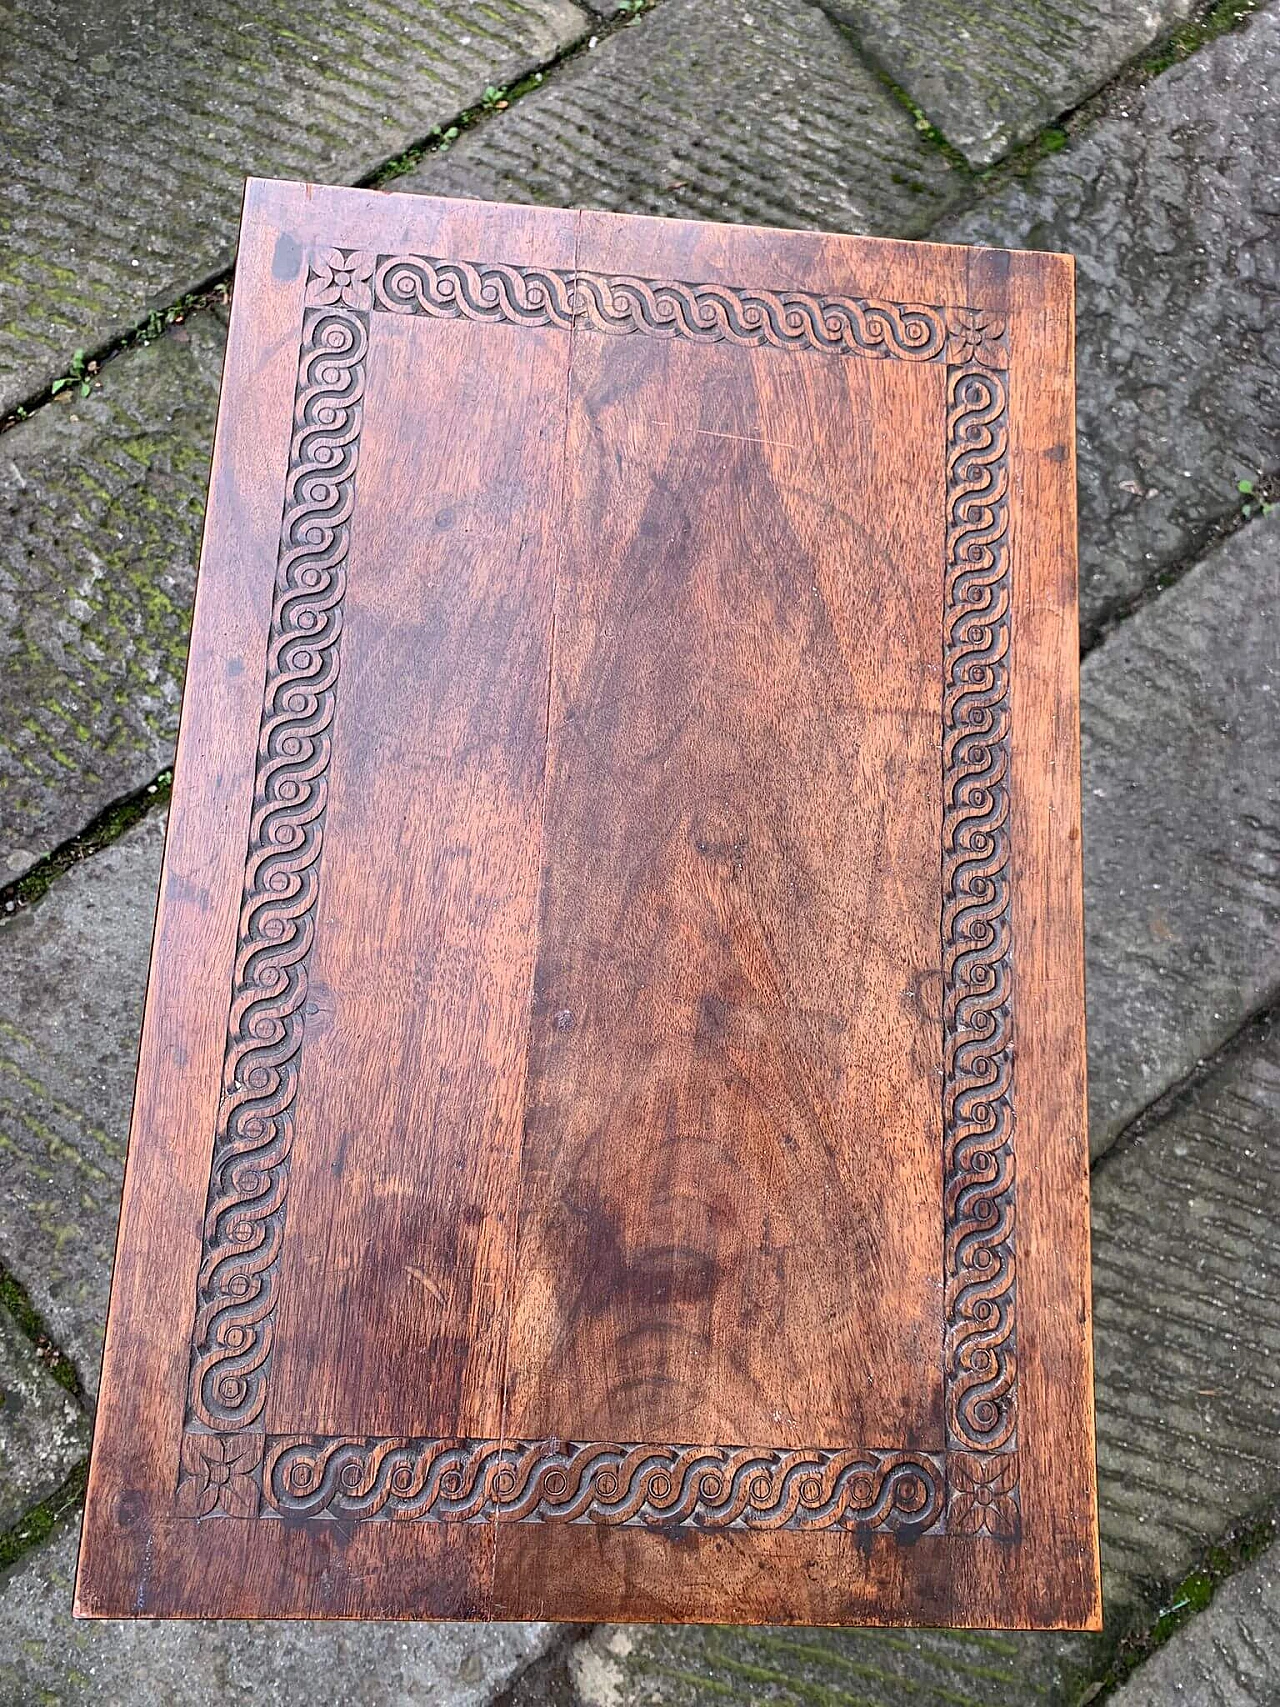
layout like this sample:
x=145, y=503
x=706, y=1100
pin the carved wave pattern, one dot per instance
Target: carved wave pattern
x=244, y=1216
x=702, y=1487
x=980, y=1363
x=705, y=313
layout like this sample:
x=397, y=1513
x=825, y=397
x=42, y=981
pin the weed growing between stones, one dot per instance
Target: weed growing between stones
x=495, y=100
x=84, y=373
x=13, y=1297
x=36, y=1524
x=1217, y=21
x=1238, y=1548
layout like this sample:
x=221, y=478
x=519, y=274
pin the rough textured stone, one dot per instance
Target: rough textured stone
x=640, y=1666
x=1186, y=1228
x=991, y=76
x=72, y=976
x=44, y=1656
x=102, y=498
x=1186, y=1273
x=43, y=1431
x=127, y=131
x=1172, y=209
x=1179, y=715
x=1228, y=1656
x=741, y=110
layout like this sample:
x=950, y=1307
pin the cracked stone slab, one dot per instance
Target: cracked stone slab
x=1227, y=1656
x=1186, y=1228
x=43, y=1431
x=749, y=111
x=1179, y=714
x=72, y=977
x=128, y=130
x=46, y=1656
x=990, y=77
x=1171, y=207
x=102, y=498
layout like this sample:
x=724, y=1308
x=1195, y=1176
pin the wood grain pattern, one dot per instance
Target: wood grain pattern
x=653, y=947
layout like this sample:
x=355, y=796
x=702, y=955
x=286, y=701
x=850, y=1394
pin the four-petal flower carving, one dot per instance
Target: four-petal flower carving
x=341, y=276
x=983, y=1494
x=219, y=1474
x=975, y=336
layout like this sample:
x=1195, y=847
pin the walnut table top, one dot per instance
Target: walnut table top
x=609, y=1139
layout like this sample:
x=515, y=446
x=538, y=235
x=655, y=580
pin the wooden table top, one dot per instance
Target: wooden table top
x=609, y=1138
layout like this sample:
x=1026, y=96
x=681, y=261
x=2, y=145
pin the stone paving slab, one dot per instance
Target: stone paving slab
x=72, y=976
x=752, y=111
x=1180, y=710
x=127, y=131
x=992, y=76
x=102, y=498
x=46, y=1656
x=43, y=1431
x=1172, y=209
x=1228, y=1656
x=691, y=1666
x=1186, y=1225
x=1186, y=1275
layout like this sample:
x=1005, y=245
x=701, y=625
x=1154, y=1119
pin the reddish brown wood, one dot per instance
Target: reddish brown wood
x=609, y=1132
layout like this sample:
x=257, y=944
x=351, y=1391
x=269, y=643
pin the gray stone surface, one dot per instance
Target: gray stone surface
x=46, y=1657
x=102, y=499
x=127, y=131
x=1180, y=715
x=72, y=975
x=43, y=1431
x=991, y=76
x=742, y=110
x=643, y=1666
x=1186, y=1229
x=1172, y=209
x=1228, y=1656
x=1186, y=1270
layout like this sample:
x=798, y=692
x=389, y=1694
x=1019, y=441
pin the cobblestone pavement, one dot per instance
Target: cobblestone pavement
x=1143, y=137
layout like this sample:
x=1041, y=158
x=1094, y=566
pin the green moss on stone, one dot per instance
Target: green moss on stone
x=41, y=1520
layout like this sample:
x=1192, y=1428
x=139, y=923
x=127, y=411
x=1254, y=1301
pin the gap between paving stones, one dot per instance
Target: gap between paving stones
x=84, y=373
x=1221, y=18
x=923, y=123
x=1251, y=1030
x=1188, y=1599
x=1265, y=495
x=439, y=140
x=107, y=827
x=37, y=1524
x=1215, y=18
x=14, y=1298
x=217, y=289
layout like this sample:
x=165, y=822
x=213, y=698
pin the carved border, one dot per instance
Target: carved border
x=249, y=1173
x=228, y=1464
